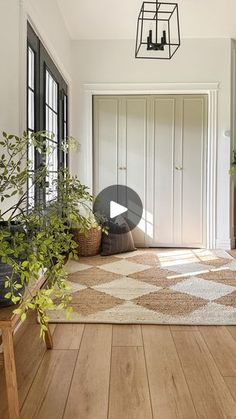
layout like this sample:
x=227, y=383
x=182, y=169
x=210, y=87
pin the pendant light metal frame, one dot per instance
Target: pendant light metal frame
x=162, y=45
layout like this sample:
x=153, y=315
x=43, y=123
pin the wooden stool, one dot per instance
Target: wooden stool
x=8, y=323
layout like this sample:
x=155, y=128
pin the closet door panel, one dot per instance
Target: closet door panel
x=178, y=173
x=136, y=130
x=193, y=170
x=136, y=139
x=164, y=145
x=106, y=128
x=156, y=145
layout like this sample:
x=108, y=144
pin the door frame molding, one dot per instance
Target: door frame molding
x=209, y=89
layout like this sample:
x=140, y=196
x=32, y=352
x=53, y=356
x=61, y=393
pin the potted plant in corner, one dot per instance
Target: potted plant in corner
x=85, y=227
x=34, y=239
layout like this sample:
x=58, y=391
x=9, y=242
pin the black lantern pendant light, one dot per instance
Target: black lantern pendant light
x=158, y=33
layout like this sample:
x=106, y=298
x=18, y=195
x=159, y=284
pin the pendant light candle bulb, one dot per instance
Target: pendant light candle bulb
x=163, y=39
x=155, y=45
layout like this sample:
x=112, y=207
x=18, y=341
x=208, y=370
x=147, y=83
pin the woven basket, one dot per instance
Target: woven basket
x=89, y=244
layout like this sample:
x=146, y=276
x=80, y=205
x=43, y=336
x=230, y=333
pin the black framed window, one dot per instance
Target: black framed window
x=47, y=103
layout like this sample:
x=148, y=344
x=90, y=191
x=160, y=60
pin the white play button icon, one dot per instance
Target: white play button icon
x=116, y=209
x=118, y=203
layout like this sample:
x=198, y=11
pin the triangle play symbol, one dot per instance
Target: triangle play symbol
x=116, y=209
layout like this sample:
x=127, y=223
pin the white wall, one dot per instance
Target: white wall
x=47, y=20
x=9, y=70
x=49, y=25
x=197, y=61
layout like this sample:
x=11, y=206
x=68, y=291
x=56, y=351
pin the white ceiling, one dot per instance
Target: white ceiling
x=116, y=19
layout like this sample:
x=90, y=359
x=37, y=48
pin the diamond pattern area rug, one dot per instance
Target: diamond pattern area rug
x=151, y=286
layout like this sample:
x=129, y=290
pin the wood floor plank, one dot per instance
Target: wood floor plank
x=88, y=397
x=48, y=394
x=44, y=385
x=52, y=328
x=29, y=351
x=222, y=347
x=170, y=395
x=127, y=335
x=129, y=392
x=67, y=336
x=183, y=328
x=232, y=331
x=231, y=383
x=211, y=396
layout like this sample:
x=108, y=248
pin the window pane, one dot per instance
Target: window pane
x=47, y=87
x=51, y=192
x=31, y=124
x=48, y=120
x=31, y=59
x=52, y=161
x=31, y=155
x=51, y=109
x=65, y=128
x=51, y=105
x=31, y=191
x=54, y=125
x=65, y=116
x=55, y=92
x=51, y=92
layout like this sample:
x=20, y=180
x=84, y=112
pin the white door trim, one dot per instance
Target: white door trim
x=210, y=89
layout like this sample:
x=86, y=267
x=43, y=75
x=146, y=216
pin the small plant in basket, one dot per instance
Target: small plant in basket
x=88, y=235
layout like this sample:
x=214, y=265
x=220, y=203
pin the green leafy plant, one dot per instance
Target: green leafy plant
x=232, y=170
x=91, y=221
x=35, y=238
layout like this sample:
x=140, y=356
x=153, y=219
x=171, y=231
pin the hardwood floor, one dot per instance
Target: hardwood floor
x=125, y=372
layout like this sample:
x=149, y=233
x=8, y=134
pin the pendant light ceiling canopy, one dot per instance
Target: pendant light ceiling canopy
x=158, y=32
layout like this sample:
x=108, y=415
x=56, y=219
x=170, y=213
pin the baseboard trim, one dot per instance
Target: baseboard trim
x=225, y=244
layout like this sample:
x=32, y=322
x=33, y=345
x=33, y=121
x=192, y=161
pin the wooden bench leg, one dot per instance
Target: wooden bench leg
x=10, y=373
x=1, y=353
x=48, y=339
x=1, y=359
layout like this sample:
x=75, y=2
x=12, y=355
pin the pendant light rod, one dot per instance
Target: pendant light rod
x=156, y=21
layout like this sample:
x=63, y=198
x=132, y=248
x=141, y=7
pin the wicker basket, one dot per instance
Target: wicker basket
x=89, y=244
